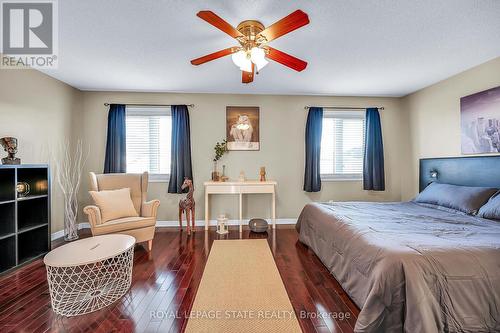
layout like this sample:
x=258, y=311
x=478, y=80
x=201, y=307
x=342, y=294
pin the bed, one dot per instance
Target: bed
x=412, y=267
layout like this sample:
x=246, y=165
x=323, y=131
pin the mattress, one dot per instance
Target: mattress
x=408, y=267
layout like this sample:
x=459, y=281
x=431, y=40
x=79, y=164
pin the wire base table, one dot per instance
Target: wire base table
x=89, y=274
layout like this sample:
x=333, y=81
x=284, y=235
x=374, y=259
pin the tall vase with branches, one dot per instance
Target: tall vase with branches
x=69, y=167
x=220, y=149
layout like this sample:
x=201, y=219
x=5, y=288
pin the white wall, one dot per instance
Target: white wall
x=282, y=130
x=41, y=112
x=434, y=117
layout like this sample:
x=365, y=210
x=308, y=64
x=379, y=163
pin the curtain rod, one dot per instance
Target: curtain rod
x=190, y=105
x=343, y=107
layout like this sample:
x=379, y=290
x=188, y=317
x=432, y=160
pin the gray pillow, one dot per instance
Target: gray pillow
x=492, y=208
x=463, y=198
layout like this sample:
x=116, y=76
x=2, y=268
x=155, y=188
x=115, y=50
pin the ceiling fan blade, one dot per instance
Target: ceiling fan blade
x=287, y=24
x=286, y=59
x=219, y=23
x=247, y=77
x=213, y=56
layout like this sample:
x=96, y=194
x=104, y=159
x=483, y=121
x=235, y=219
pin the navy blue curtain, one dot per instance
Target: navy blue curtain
x=373, y=164
x=312, y=179
x=116, y=158
x=180, y=163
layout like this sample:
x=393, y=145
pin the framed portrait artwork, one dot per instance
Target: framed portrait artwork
x=480, y=118
x=242, y=128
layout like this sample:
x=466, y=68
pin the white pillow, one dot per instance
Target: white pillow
x=114, y=204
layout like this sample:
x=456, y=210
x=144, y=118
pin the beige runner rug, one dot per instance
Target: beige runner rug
x=241, y=291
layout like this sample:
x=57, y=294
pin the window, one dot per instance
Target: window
x=148, y=141
x=342, y=145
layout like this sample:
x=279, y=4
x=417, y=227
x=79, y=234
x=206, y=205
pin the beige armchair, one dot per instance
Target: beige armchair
x=141, y=227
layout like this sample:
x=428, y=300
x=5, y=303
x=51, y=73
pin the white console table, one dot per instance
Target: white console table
x=240, y=188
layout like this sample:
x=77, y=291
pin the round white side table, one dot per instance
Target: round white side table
x=89, y=274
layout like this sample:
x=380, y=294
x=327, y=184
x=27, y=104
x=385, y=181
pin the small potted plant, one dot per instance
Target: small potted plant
x=220, y=149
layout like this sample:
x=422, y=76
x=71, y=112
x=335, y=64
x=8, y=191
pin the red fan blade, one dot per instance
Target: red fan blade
x=219, y=23
x=247, y=77
x=287, y=24
x=213, y=56
x=286, y=59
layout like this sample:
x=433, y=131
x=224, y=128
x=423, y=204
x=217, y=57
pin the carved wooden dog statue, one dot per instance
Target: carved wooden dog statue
x=187, y=205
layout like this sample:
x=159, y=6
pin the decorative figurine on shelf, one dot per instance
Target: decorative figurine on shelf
x=9, y=144
x=262, y=174
x=241, y=178
x=186, y=205
x=220, y=149
x=222, y=227
x=22, y=189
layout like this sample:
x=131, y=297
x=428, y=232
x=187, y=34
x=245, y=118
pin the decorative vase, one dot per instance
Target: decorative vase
x=242, y=178
x=223, y=177
x=70, y=214
x=215, y=173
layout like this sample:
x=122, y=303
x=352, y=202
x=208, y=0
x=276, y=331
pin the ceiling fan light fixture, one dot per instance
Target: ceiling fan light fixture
x=246, y=66
x=241, y=59
x=258, y=57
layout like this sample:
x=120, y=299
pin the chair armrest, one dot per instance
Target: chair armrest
x=150, y=208
x=94, y=214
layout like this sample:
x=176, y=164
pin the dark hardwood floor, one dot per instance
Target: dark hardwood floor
x=165, y=283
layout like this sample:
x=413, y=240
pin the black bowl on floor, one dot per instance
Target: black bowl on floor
x=258, y=225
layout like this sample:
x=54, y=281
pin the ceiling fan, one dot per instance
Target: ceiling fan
x=253, y=37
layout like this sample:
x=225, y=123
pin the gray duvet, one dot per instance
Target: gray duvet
x=409, y=268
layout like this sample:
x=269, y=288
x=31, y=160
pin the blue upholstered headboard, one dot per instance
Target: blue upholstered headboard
x=468, y=171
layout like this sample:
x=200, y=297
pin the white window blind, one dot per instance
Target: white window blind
x=148, y=140
x=342, y=145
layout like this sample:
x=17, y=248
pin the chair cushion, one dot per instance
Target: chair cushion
x=123, y=224
x=138, y=184
x=114, y=204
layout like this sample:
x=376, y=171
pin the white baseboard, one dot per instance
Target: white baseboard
x=170, y=224
x=201, y=223
x=60, y=233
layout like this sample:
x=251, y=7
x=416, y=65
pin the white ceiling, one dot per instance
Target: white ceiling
x=357, y=47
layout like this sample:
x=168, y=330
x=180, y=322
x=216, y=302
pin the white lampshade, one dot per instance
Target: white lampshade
x=247, y=66
x=241, y=60
x=239, y=57
x=258, y=57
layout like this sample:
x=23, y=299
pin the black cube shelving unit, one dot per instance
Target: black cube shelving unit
x=24, y=220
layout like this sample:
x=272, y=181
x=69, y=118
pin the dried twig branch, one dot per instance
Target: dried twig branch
x=68, y=170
